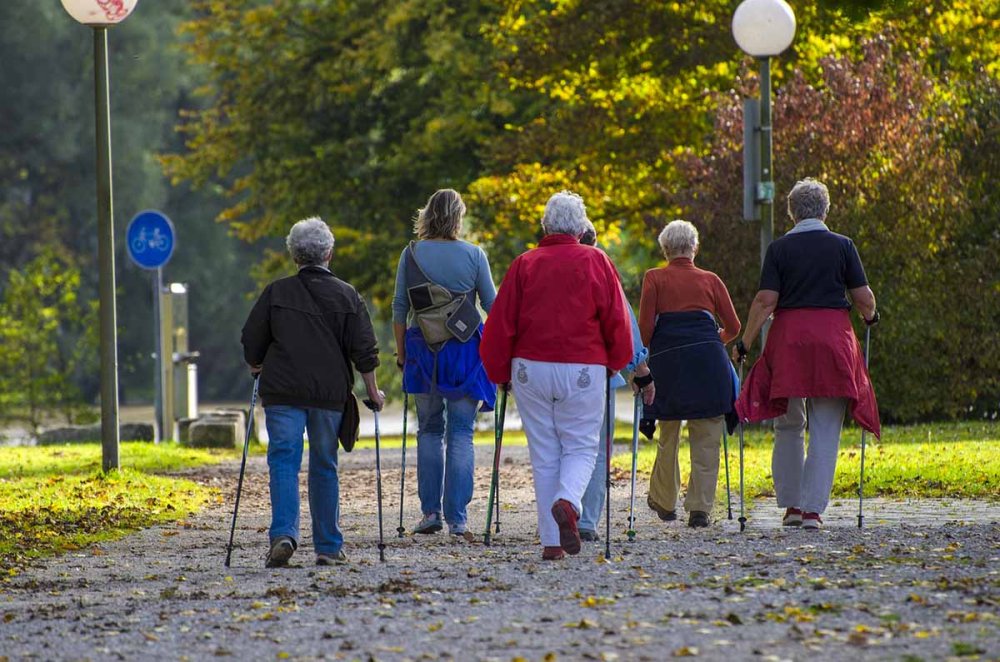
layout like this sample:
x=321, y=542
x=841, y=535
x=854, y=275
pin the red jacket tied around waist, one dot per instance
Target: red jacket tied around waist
x=810, y=353
x=562, y=303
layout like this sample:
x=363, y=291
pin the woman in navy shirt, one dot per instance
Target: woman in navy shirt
x=812, y=360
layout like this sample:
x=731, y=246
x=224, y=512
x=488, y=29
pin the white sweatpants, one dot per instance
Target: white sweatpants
x=805, y=481
x=562, y=408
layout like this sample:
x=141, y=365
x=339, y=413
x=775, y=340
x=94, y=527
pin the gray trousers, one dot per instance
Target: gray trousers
x=800, y=480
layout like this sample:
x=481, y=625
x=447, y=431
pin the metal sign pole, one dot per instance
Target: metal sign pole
x=159, y=432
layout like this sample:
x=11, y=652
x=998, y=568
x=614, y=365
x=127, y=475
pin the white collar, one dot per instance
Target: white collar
x=808, y=225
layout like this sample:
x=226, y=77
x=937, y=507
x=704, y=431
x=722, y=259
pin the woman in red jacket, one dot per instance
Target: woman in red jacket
x=559, y=324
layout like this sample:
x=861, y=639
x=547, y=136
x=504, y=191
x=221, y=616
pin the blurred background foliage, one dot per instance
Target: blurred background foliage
x=238, y=117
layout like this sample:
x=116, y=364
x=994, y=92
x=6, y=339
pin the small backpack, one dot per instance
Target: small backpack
x=440, y=313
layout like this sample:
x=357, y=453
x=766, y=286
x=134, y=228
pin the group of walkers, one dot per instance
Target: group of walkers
x=557, y=335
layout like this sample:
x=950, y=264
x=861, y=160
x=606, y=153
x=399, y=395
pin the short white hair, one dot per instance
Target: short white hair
x=678, y=238
x=809, y=198
x=310, y=241
x=565, y=213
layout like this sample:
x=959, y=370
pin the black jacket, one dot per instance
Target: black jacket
x=306, y=330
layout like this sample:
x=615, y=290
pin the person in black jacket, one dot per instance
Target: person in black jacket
x=302, y=337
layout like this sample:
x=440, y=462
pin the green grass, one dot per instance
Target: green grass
x=55, y=498
x=957, y=460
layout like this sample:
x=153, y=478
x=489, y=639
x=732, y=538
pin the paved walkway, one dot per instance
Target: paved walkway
x=922, y=580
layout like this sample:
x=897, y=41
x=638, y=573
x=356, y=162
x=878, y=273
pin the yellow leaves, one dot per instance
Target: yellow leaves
x=434, y=627
x=596, y=601
x=686, y=651
x=582, y=624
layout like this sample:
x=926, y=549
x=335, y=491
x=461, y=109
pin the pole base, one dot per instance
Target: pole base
x=381, y=552
x=861, y=519
x=743, y=523
x=400, y=530
x=729, y=515
x=486, y=539
x=631, y=536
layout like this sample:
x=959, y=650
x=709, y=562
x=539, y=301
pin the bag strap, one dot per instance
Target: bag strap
x=415, y=274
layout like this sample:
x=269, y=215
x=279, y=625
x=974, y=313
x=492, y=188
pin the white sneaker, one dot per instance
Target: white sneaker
x=793, y=517
x=811, y=521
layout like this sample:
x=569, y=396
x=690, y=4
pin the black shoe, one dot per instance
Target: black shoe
x=281, y=550
x=664, y=514
x=587, y=535
x=698, y=519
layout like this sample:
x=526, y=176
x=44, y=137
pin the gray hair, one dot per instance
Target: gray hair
x=310, y=241
x=441, y=217
x=809, y=198
x=565, y=213
x=678, y=238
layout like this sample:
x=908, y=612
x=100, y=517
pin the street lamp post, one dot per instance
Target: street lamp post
x=763, y=29
x=100, y=15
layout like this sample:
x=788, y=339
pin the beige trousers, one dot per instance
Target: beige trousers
x=704, y=435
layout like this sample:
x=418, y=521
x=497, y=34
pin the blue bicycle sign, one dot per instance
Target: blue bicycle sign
x=150, y=239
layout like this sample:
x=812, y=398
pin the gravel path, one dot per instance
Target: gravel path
x=923, y=580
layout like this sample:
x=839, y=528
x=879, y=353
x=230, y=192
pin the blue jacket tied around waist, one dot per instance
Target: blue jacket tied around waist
x=693, y=375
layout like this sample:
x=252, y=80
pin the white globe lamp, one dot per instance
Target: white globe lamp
x=99, y=12
x=763, y=28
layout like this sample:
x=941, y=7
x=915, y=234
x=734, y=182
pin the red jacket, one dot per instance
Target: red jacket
x=810, y=352
x=562, y=303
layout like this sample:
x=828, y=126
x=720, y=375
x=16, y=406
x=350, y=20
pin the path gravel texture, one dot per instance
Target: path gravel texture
x=921, y=581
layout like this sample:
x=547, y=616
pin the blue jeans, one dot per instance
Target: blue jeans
x=445, y=456
x=285, y=426
x=593, y=497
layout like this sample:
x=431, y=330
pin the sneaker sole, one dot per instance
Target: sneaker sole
x=278, y=557
x=794, y=522
x=569, y=537
x=811, y=526
x=433, y=528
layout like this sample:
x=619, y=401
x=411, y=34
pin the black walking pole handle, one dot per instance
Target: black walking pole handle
x=741, y=349
x=876, y=318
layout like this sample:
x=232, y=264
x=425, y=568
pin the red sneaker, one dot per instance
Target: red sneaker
x=793, y=517
x=565, y=516
x=553, y=554
x=811, y=520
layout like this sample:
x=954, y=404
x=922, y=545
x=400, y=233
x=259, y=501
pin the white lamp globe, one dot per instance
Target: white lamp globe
x=763, y=28
x=99, y=12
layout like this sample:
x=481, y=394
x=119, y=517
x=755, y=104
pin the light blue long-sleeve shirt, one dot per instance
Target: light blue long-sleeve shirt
x=641, y=353
x=454, y=264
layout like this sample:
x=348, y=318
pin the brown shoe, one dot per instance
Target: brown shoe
x=553, y=553
x=565, y=516
x=663, y=513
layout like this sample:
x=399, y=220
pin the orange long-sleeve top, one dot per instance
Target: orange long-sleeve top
x=680, y=287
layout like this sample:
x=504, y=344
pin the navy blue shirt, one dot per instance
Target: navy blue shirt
x=812, y=269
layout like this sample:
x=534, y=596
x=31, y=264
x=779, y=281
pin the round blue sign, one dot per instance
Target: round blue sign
x=150, y=239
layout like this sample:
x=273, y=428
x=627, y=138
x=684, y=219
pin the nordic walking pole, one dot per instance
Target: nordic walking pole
x=729, y=496
x=607, y=472
x=743, y=357
x=378, y=479
x=636, y=412
x=499, y=422
x=243, y=467
x=497, y=443
x=400, y=530
x=861, y=483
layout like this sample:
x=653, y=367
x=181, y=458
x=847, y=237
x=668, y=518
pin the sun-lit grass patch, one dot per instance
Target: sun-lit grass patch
x=959, y=460
x=55, y=498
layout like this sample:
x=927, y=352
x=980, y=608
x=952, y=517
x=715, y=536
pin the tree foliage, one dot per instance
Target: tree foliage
x=47, y=339
x=880, y=135
x=357, y=110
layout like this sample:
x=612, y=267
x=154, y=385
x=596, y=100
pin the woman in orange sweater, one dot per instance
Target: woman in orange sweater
x=694, y=379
